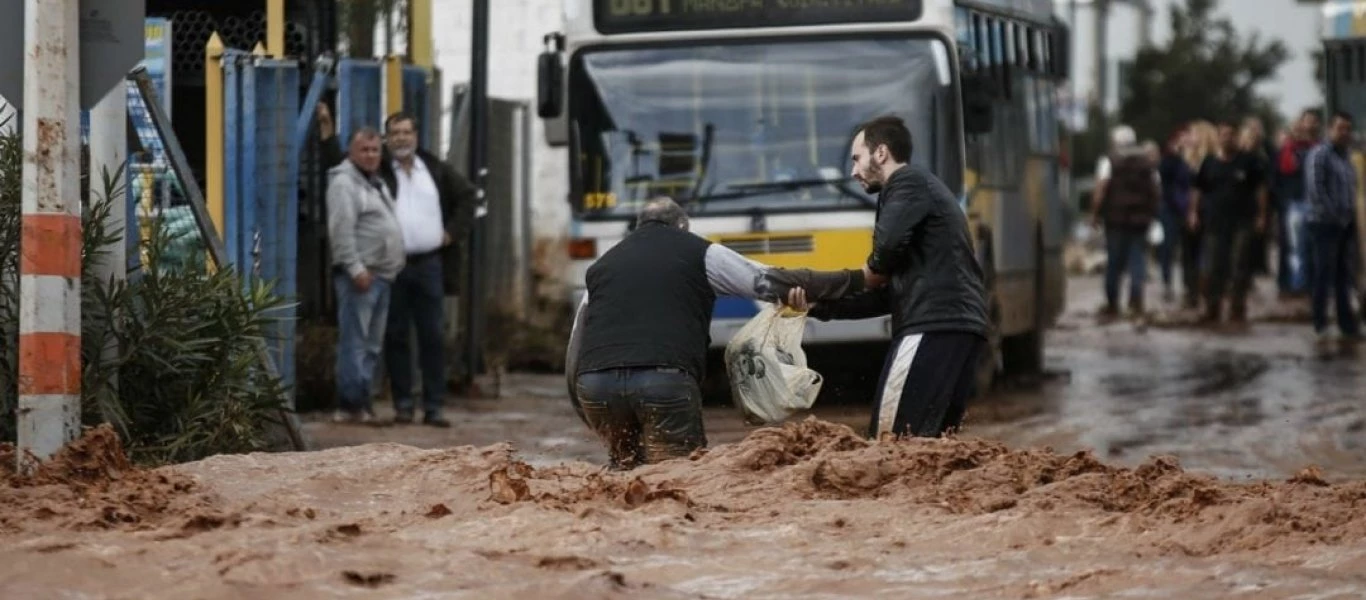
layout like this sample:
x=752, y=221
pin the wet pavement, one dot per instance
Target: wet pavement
x=1258, y=401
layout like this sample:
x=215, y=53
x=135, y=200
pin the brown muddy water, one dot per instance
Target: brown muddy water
x=1164, y=462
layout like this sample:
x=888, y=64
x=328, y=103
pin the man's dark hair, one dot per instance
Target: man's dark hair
x=399, y=117
x=1310, y=112
x=889, y=130
x=1229, y=122
x=1344, y=116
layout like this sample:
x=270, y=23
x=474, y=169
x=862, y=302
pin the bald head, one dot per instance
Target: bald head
x=663, y=210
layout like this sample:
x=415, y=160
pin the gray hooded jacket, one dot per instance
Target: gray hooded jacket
x=361, y=224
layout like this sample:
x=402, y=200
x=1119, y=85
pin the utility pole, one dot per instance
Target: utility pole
x=1100, y=10
x=108, y=154
x=50, y=265
x=478, y=172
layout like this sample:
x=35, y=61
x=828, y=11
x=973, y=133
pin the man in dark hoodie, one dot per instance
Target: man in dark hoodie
x=926, y=276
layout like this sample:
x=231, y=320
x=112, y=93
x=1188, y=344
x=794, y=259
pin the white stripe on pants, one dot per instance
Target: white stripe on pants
x=895, y=384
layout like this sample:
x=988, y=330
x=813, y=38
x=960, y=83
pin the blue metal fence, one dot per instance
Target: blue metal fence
x=416, y=101
x=261, y=166
x=359, y=96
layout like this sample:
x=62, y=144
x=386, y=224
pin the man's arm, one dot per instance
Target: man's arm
x=731, y=274
x=900, y=215
x=571, y=355
x=341, y=226
x=457, y=202
x=863, y=305
x=1316, y=179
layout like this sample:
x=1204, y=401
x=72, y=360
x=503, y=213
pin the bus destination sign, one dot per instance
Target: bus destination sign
x=636, y=16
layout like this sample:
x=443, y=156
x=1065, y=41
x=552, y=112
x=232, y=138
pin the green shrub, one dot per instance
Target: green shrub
x=189, y=378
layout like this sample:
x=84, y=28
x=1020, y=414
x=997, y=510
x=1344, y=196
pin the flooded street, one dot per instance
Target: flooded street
x=1260, y=402
x=1156, y=463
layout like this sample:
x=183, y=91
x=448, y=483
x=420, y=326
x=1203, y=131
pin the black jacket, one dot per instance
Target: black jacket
x=457, y=209
x=921, y=243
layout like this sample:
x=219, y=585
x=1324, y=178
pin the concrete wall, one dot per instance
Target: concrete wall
x=514, y=42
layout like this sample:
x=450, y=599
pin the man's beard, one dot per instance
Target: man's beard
x=872, y=180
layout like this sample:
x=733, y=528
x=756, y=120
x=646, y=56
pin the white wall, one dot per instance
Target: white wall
x=515, y=33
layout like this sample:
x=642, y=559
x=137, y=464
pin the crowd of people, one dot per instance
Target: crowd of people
x=1216, y=199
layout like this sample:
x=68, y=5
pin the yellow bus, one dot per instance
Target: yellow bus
x=744, y=110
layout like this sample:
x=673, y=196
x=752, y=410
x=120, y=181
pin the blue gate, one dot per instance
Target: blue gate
x=261, y=196
x=360, y=88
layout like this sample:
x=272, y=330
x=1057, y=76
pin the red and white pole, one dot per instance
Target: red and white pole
x=50, y=242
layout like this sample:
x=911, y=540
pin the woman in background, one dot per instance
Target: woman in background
x=1252, y=139
x=1177, y=237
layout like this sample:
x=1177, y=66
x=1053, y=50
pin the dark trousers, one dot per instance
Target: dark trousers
x=1229, y=264
x=644, y=414
x=1125, y=250
x=926, y=382
x=416, y=300
x=1334, y=249
x=1168, y=250
x=1192, y=247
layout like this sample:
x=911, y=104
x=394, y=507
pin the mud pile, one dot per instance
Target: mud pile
x=816, y=460
x=91, y=485
x=807, y=509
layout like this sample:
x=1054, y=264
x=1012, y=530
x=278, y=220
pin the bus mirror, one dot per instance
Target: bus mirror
x=549, y=85
x=977, y=104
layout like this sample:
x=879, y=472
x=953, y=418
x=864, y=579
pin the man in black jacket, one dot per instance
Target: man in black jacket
x=926, y=276
x=433, y=203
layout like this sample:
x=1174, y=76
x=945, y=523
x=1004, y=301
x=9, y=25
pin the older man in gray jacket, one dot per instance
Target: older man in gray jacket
x=367, y=254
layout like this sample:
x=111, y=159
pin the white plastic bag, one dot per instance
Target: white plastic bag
x=1156, y=234
x=769, y=380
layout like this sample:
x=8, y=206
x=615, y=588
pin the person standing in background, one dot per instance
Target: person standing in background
x=1252, y=140
x=1229, y=201
x=430, y=199
x=1125, y=202
x=1331, y=184
x=367, y=254
x=1176, y=176
x=1295, y=269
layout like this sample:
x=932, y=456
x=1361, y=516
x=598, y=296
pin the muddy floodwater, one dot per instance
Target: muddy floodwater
x=1158, y=462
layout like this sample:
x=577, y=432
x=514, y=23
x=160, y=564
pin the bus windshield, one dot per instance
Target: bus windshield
x=739, y=127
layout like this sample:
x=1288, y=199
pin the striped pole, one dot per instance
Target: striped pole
x=50, y=242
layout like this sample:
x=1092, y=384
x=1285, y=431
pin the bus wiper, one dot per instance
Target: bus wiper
x=748, y=190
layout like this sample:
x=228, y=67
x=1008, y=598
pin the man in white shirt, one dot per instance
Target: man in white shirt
x=429, y=197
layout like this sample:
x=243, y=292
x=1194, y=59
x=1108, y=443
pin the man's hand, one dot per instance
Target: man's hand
x=1193, y=220
x=362, y=281
x=445, y=238
x=872, y=280
x=326, y=127
x=1261, y=223
x=796, y=300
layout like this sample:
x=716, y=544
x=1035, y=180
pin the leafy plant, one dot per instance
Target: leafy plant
x=169, y=356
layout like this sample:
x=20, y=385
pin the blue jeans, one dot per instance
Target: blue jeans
x=1294, y=264
x=416, y=300
x=645, y=414
x=1335, y=248
x=1125, y=250
x=361, y=318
